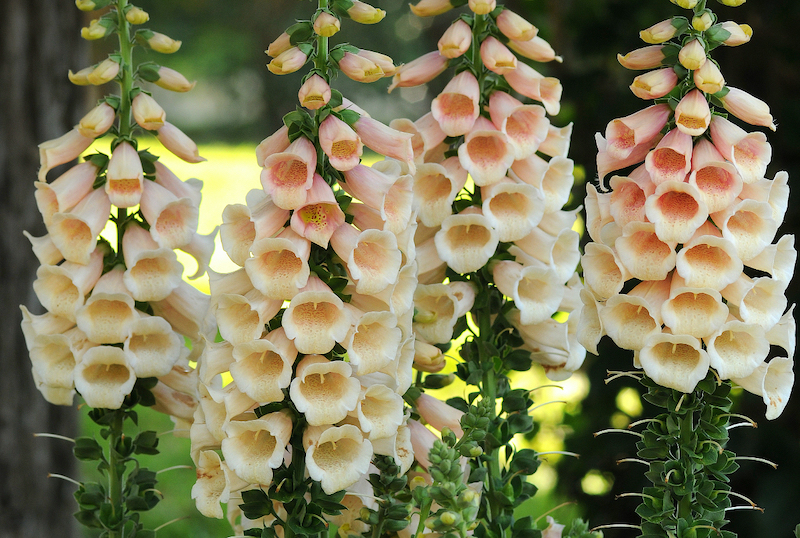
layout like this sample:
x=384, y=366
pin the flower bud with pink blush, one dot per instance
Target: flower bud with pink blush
x=486, y=153
x=526, y=126
x=172, y=80
x=125, y=177
x=61, y=150
x=466, y=240
x=438, y=414
x=496, y=57
x=383, y=61
x=671, y=160
x=674, y=361
x=482, y=7
x=693, y=55
x=419, y=71
x=456, y=40
x=693, y=115
x=314, y=93
x=643, y=58
x=104, y=377
x=747, y=108
x=340, y=143
x=281, y=44
x=457, y=107
x=81, y=77
x=623, y=135
x=659, y=32
x=739, y=33
x=364, y=13
x=326, y=25
x=654, y=84
x=104, y=72
x=287, y=61
x=74, y=232
x=148, y=113
x=530, y=83
x=386, y=141
x=178, y=143
x=515, y=27
x=749, y=152
x=287, y=176
x=537, y=49
x=708, y=78
x=428, y=358
x=173, y=220
x=254, y=448
x=97, y=121
x=66, y=191
x=359, y=68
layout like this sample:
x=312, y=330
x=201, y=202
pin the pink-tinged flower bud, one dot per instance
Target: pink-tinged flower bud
x=97, y=29
x=644, y=58
x=105, y=71
x=125, y=178
x=314, y=93
x=660, y=32
x=91, y=5
x=162, y=43
x=147, y=112
x=693, y=55
x=692, y=115
x=171, y=80
x=385, y=140
x=326, y=25
x=287, y=61
x=81, y=78
x=364, y=13
x=359, y=68
x=456, y=39
x=702, y=22
x=654, y=84
x=747, y=108
x=496, y=56
x=419, y=71
x=515, y=27
x=97, y=121
x=537, y=49
x=457, y=107
x=438, y=414
x=709, y=78
x=61, y=150
x=340, y=143
x=383, y=61
x=277, y=142
x=281, y=44
x=482, y=7
x=530, y=83
x=135, y=15
x=178, y=143
x=735, y=34
x=430, y=8
x=66, y=191
x=625, y=134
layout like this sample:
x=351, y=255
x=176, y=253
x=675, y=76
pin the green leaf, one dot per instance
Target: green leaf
x=350, y=117
x=87, y=449
x=519, y=360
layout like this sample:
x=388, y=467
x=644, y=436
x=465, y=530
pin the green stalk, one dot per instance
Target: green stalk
x=115, y=464
x=124, y=111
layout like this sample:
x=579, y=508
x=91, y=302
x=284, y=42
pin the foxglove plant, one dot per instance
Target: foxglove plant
x=118, y=312
x=683, y=270
x=492, y=176
x=301, y=418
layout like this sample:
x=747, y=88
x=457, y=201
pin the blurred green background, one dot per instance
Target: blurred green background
x=237, y=103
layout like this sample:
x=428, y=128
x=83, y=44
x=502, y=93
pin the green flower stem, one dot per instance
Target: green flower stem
x=124, y=111
x=321, y=61
x=116, y=468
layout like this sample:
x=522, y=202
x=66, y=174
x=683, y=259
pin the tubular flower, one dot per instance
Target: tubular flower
x=125, y=177
x=456, y=108
x=456, y=40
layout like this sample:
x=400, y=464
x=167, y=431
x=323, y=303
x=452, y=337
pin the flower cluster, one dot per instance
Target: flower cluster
x=509, y=217
x=316, y=343
x=120, y=312
x=682, y=269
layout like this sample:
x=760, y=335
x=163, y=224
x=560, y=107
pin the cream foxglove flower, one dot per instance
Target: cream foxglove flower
x=380, y=412
x=340, y=143
x=324, y=391
x=671, y=160
x=319, y=216
x=62, y=288
x=125, y=177
x=373, y=342
x=436, y=186
x=253, y=448
x=74, y=232
x=760, y=301
x=697, y=312
x=513, y=208
x=263, y=367
x=316, y=319
x=773, y=381
x=66, y=191
x=749, y=225
x=486, y=153
x=241, y=318
x=644, y=255
x=152, y=271
x=338, y=458
x=466, y=241
x=61, y=150
x=605, y=274
x=173, y=221
x=675, y=361
x=287, y=176
x=677, y=211
x=104, y=376
x=536, y=290
x=108, y=316
x=456, y=108
x=737, y=349
x=372, y=257
x=717, y=180
x=153, y=346
x=525, y=126
x=279, y=266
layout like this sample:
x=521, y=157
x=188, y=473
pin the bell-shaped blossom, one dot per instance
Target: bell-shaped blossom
x=708, y=261
x=598, y=215
x=717, y=180
x=53, y=357
x=457, y=107
x=515, y=27
x=428, y=358
x=419, y=71
x=173, y=221
x=178, y=143
x=385, y=140
x=514, y=209
x=422, y=440
x=675, y=361
x=590, y=327
x=426, y=135
x=201, y=248
x=749, y=152
x=559, y=252
x=315, y=319
x=287, y=176
x=364, y=13
x=263, y=367
x=147, y=113
x=277, y=142
x=677, y=210
x=183, y=309
x=97, y=121
x=74, y=232
x=242, y=317
x=708, y=78
x=360, y=68
x=628, y=196
x=748, y=225
x=237, y=232
x=253, y=448
x=466, y=241
x=368, y=185
x=530, y=83
x=323, y=390
x=279, y=266
x=152, y=271
x=760, y=301
x=482, y=7
x=372, y=257
x=553, y=345
x=153, y=347
x=643, y=58
x=778, y=260
x=631, y=319
x=654, y=84
x=693, y=115
x=525, y=126
x=34, y=325
x=671, y=160
x=314, y=93
x=775, y=192
x=737, y=349
x=536, y=290
x=784, y=333
x=557, y=142
x=486, y=153
x=438, y=414
x=604, y=272
x=380, y=412
x=319, y=216
x=437, y=310
x=109, y=314
x=436, y=186
x=44, y=249
x=340, y=143
x=496, y=57
x=213, y=485
x=456, y=40
x=644, y=255
x=62, y=288
x=338, y=457
x=103, y=377
x=659, y=32
x=747, y=108
x=288, y=61
x=698, y=312
x=61, y=150
x=773, y=381
x=373, y=342
x=66, y=191
x=692, y=55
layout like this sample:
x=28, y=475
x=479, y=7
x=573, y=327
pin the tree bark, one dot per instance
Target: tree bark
x=39, y=42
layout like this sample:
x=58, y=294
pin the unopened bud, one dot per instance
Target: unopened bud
x=136, y=15
x=97, y=121
x=709, y=78
x=732, y=3
x=686, y=4
x=693, y=55
x=326, y=25
x=314, y=93
x=166, y=78
x=91, y=5
x=661, y=32
x=482, y=7
x=158, y=42
x=81, y=77
x=97, y=29
x=364, y=13
x=703, y=22
x=147, y=112
x=105, y=71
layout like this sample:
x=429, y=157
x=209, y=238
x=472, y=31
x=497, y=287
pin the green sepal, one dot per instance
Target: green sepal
x=519, y=360
x=143, y=37
x=337, y=53
x=342, y=6
x=146, y=443
x=300, y=32
x=148, y=162
x=336, y=99
x=255, y=504
x=350, y=117
x=717, y=34
x=148, y=71
x=87, y=449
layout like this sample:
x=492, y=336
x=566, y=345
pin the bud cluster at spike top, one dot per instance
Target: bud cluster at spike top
x=316, y=340
x=113, y=317
x=683, y=269
x=509, y=218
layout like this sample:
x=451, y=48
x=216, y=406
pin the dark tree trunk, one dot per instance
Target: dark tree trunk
x=39, y=42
